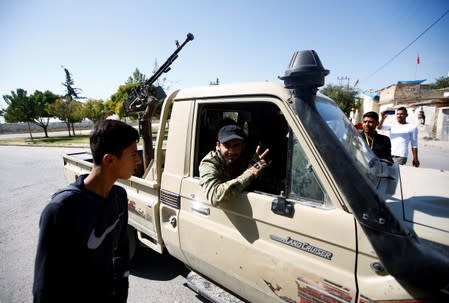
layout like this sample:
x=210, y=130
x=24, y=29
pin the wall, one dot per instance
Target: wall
x=11, y=128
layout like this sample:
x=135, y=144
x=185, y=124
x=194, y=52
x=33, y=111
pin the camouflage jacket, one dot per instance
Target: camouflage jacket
x=218, y=184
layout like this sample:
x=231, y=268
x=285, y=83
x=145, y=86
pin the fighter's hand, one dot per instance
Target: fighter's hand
x=258, y=156
x=258, y=163
x=415, y=163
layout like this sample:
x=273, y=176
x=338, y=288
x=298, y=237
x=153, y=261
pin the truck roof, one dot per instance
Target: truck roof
x=235, y=89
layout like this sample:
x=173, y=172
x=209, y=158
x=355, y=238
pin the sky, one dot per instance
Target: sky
x=102, y=42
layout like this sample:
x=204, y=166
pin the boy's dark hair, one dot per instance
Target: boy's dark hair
x=111, y=137
x=373, y=115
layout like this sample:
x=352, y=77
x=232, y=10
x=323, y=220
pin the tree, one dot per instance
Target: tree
x=19, y=108
x=94, y=110
x=29, y=109
x=216, y=82
x=76, y=114
x=441, y=82
x=345, y=97
x=68, y=84
x=68, y=112
x=63, y=107
x=41, y=101
x=117, y=100
x=137, y=77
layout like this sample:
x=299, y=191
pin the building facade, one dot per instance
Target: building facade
x=427, y=108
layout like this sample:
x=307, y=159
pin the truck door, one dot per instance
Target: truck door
x=253, y=245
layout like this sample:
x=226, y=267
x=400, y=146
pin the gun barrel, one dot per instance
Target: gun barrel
x=165, y=67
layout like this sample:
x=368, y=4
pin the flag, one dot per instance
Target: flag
x=417, y=59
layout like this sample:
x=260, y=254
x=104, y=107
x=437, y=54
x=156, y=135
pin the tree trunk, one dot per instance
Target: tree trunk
x=45, y=131
x=73, y=129
x=29, y=130
x=68, y=128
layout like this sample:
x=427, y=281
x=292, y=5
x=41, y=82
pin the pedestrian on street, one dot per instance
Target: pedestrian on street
x=378, y=143
x=402, y=134
x=82, y=253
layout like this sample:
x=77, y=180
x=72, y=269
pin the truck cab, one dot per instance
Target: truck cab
x=326, y=222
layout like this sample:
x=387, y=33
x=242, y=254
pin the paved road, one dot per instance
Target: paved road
x=433, y=154
x=29, y=175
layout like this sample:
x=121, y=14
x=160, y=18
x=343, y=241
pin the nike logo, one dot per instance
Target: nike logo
x=94, y=242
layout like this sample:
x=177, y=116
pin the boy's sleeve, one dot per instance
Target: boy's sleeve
x=46, y=269
x=121, y=260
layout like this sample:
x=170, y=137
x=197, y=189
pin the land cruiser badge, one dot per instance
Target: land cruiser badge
x=304, y=247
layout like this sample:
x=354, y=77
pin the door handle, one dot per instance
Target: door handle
x=281, y=206
x=200, y=208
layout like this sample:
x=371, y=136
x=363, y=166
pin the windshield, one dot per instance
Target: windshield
x=349, y=137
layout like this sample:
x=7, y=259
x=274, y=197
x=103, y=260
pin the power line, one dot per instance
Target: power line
x=395, y=56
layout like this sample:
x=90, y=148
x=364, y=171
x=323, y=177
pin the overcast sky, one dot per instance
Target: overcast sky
x=102, y=42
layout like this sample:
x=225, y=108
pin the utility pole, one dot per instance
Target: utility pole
x=341, y=81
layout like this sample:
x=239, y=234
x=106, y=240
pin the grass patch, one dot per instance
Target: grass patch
x=58, y=140
x=55, y=140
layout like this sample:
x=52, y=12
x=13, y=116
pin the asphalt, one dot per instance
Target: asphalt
x=40, y=135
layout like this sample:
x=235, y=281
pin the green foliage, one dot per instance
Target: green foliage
x=31, y=109
x=61, y=109
x=345, y=97
x=137, y=77
x=67, y=110
x=71, y=91
x=19, y=107
x=94, y=110
x=119, y=97
x=40, y=101
x=77, y=113
x=442, y=82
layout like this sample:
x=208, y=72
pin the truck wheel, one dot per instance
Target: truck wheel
x=132, y=236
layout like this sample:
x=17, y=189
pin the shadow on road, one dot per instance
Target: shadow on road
x=151, y=265
x=148, y=264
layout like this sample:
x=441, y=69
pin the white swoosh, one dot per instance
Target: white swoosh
x=94, y=242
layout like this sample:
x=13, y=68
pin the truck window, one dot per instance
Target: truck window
x=304, y=183
x=290, y=170
x=264, y=125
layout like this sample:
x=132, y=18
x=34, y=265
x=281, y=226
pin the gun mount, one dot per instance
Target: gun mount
x=145, y=92
x=143, y=99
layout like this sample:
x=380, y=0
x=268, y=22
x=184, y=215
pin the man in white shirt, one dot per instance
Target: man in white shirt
x=401, y=135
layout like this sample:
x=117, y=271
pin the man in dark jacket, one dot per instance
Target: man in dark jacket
x=82, y=253
x=380, y=144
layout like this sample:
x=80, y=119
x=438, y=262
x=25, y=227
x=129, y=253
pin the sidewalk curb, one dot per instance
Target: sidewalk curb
x=46, y=145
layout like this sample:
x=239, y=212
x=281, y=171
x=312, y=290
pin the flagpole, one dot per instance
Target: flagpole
x=418, y=61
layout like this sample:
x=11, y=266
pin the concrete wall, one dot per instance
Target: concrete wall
x=11, y=128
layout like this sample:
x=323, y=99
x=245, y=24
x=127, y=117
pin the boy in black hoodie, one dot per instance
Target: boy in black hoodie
x=82, y=253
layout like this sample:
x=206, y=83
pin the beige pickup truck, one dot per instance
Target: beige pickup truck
x=327, y=222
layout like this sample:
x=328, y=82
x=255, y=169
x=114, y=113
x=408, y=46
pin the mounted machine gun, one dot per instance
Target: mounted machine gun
x=145, y=97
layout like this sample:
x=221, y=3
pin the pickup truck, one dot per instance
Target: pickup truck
x=328, y=221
